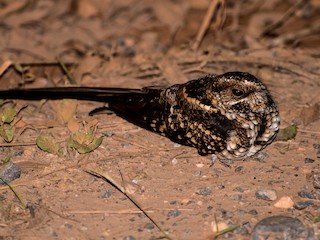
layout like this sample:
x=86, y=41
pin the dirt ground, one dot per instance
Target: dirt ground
x=137, y=43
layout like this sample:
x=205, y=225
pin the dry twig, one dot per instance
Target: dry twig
x=122, y=189
x=289, y=14
x=292, y=37
x=213, y=9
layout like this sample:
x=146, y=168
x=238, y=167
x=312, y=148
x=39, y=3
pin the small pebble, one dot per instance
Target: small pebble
x=205, y=215
x=183, y=201
x=237, y=197
x=218, y=171
x=284, y=202
x=149, y=226
x=220, y=212
x=261, y=156
x=176, y=145
x=135, y=181
x=310, y=195
x=68, y=225
x=196, y=173
x=50, y=231
x=83, y=228
x=316, y=181
x=173, y=213
x=174, y=161
x=303, y=205
x=27, y=152
x=253, y=212
x=226, y=162
x=18, y=153
x=269, y=195
x=200, y=165
x=241, y=212
x=238, y=189
x=108, y=135
x=281, y=227
x=190, y=202
x=316, y=146
x=239, y=169
x=106, y=193
x=9, y=172
x=127, y=135
x=126, y=145
x=308, y=160
x=173, y=202
x=204, y=191
x=129, y=238
x=220, y=186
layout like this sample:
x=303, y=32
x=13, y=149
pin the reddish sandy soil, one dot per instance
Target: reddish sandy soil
x=136, y=43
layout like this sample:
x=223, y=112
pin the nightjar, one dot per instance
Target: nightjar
x=231, y=115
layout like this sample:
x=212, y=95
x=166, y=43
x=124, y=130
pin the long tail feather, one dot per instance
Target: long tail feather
x=81, y=93
x=139, y=106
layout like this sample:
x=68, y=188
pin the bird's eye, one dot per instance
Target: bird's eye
x=237, y=92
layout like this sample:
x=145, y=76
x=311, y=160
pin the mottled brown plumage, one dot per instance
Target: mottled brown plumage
x=231, y=115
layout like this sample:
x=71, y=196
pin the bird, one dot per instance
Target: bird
x=231, y=116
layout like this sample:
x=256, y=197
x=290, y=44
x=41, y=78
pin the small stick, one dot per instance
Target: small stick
x=291, y=37
x=287, y=15
x=66, y=70
x=5, y=66
x=22, y=202
x=120, y=188
x=205, y=23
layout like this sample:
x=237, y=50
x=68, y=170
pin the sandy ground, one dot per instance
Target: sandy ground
x=136, y=43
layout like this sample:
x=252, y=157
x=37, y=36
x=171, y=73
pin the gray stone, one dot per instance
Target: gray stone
x=265, y=194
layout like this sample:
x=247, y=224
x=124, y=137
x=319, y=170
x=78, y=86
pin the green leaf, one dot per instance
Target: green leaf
x=29, y=77
x=19, y=68
x=83, y=138
x=5, y=160
x=95, y=143
x=7, y=133
x=316, y=220
x=47, y=143
x=8, y=115
x=84, y=142
x=287, y=133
